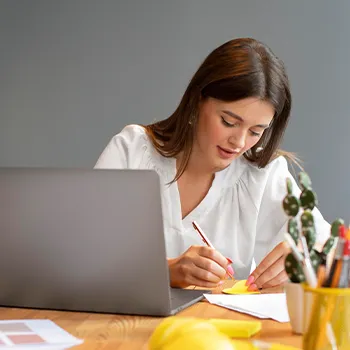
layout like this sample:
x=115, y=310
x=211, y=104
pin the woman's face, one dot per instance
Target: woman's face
x=225, y=130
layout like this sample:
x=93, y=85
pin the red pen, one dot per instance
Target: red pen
x=205, y=239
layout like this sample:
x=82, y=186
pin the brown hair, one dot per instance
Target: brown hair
x=238, y=69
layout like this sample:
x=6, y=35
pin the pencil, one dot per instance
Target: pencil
x=321, y=275
x=206, y=240
x=337, y=257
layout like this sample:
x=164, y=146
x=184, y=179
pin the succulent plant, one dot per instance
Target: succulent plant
x=308, y=228
x=334, y=233
x=291, y=203
x=308, y=198
x=292, y=206
x=293, y=229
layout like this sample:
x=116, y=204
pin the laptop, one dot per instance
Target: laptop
x=85, y=240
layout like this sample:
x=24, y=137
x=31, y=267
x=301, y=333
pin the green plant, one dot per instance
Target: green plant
x=292, y=206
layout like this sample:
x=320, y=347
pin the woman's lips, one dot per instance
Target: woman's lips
x=226, y=153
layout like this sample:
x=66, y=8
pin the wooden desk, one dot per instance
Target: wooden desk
x=117, y=332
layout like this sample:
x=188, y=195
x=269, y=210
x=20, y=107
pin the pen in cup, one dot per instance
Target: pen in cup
x=206, y=240
x=310, y=276
x=344, y=274
x=335, y=269
x=305, y=262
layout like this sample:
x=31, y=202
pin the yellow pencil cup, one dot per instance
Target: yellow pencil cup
x=328, y=323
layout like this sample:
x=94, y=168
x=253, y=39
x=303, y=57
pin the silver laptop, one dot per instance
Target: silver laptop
x=85, y=240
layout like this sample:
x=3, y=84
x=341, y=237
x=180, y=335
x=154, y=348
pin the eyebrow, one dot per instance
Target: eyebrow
x=233, y=115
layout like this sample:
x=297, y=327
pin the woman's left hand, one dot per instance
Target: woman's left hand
x=270, y=272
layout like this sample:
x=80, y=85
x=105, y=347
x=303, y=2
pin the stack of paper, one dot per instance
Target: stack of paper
x=259, y=305
x=34, y=334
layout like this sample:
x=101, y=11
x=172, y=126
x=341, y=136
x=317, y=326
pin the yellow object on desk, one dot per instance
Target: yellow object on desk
x=239, y=288
x=236, y=328
x=329, y=321
x=184, y=332
x=188, y=333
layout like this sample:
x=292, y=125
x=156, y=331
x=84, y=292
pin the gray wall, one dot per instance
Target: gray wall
x=73, y=73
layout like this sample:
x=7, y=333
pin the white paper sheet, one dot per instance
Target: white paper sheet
x=259, y=305
x=34, y=334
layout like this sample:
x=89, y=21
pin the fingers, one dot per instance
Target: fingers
x=270, y=273
x=214, y=255
x=209, y=270
x=280, y=279
x=275, y=255
x=271, y=277
x=199, y=265
x=204, y=277
x=200, y=283
x=194, y=275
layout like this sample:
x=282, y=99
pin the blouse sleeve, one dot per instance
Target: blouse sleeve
x=272, y=220
x=122, y=150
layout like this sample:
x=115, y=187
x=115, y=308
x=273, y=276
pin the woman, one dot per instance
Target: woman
x=218, y=159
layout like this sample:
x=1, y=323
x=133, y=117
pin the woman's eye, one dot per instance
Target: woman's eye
x=255, y=133
x=226, y=123
x=230, y=125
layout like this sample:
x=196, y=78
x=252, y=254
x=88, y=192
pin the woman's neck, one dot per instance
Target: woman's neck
x=196, y=167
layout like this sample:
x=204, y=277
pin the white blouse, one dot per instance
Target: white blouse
x=242, y=213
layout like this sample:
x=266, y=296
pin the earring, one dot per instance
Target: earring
x=259, y=149
x=191, y=121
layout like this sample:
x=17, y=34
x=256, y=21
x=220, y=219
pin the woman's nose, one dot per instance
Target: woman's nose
x=238, y=140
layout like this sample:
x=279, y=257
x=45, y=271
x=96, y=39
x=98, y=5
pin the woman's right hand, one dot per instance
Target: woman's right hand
x=201, y=266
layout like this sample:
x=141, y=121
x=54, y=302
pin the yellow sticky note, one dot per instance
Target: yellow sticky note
x=239, y=288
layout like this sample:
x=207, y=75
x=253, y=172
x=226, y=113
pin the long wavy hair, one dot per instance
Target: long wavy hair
x=238, y=69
